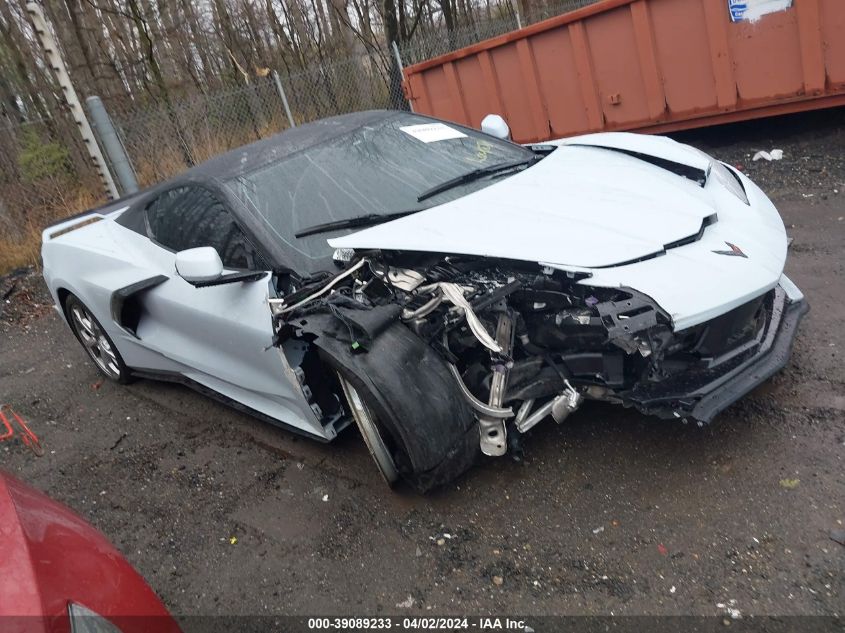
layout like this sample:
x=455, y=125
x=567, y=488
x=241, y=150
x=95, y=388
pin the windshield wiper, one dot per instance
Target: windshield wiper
x=350, y=223
x=375, y=218
x=475, y=174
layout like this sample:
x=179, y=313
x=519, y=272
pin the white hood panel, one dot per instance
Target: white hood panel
x=580, y=206
x=592, y=209
x=658, y=146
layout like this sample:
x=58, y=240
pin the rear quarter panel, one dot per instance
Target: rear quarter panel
x=91, y=263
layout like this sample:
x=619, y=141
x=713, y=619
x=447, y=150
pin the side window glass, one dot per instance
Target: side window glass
x=189, y=217
x=163, y=220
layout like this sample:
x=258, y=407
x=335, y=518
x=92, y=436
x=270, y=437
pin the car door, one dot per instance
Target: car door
x=221, y=335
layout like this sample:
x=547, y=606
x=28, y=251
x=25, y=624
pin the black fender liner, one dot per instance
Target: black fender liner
x=412, y=392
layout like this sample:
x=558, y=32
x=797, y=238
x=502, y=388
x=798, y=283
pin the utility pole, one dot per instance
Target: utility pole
x=57, y=64
x=112, y=146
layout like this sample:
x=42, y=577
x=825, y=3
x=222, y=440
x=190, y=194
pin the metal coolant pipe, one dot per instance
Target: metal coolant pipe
x=559, y=407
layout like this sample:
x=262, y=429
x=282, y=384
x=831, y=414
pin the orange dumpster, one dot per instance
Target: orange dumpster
x=646, y=65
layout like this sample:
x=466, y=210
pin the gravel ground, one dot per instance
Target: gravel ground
x=813, y=164
x=612, y=513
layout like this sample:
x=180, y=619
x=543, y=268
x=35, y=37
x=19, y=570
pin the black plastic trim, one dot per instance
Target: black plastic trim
x=229, y=279
x=760, y=370
x=121, y=295
x=690, y=239
x=698, y=176
x=707, y=401
x=75, y=216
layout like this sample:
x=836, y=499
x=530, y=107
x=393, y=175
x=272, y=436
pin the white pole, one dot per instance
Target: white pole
x=284, y=97
x=401, y=66
x=51, y=50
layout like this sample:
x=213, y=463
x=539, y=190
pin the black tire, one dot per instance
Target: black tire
x=98, y=345
x=421, y=415
x=459, y=448
x=462, y=455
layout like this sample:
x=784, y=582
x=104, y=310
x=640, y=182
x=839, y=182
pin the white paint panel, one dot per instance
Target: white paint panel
x=658, y=146
x=220, y=336
x=580, y=206
x=590, y=209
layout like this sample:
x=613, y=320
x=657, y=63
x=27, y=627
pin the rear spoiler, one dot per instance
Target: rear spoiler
x=78, y=220
x=56, y=229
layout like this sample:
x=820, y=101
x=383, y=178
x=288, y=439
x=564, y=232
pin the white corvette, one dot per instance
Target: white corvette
x=438, y=286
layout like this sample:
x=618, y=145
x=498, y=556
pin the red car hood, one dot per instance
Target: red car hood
x=51, y=557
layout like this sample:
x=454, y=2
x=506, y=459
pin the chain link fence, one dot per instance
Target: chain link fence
x=45, y=171
x=357, y=83
x=163, y=139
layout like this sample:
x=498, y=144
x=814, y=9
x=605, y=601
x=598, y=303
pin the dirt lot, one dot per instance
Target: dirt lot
x=612, y=512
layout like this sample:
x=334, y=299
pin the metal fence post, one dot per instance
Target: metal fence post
x=51, y=50
x=401, y=67
x=284, y=98
x=110, y=142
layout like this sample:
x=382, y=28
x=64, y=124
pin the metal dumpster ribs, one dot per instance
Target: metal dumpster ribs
x=646, y=65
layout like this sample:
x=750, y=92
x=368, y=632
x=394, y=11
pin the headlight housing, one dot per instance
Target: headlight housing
x=83, y=620
x=729, y=180
x=726, y=177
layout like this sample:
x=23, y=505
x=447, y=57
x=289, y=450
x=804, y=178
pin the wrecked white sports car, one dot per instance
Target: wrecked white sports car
x=440, y=287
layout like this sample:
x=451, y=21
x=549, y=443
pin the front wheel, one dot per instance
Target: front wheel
x=95, y=341
x=412, y=414
x=446, y=448
x=368, y=426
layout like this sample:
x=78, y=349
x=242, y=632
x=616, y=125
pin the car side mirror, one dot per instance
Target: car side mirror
x=494, y=125
x=199, y=264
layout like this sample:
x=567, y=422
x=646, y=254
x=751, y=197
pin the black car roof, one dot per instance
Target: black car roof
x=248, y=157
x=215, y=172
x=245, y=159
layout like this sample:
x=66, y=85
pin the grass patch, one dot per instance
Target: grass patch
x=29, y=208
x=47, y=189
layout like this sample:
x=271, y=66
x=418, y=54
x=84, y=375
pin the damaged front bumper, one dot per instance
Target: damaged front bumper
x=507, y=345
x=700, y=395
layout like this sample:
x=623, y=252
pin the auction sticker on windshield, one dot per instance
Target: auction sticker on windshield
x=431, y=132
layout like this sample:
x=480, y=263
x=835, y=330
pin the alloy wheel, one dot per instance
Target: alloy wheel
x=366, y=422
x=95, y=341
